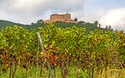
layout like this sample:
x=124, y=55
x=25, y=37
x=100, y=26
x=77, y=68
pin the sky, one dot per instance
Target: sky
x=106, y=12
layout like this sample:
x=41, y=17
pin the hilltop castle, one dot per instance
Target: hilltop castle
x=59, y=17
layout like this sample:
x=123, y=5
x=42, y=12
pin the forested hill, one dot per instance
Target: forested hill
x=4, y=23
x=87, y=25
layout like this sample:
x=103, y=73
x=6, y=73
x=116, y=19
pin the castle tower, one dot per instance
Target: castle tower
x=68, y=17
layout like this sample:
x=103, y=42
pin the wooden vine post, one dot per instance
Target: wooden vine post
x=40, y=40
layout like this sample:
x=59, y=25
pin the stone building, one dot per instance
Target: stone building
x=59, y=17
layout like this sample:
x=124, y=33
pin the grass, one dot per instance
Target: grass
x=33, y=73
x=112, y=73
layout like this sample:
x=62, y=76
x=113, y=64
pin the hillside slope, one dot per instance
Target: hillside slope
x=88, y=26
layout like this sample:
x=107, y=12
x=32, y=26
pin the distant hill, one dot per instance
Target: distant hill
x=4, y=23
x=87, y=25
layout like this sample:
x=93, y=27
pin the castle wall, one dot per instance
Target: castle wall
x=59, y=17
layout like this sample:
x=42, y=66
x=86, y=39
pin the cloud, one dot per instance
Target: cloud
x=115, y=18
x=92, y=16
x=31, y=10
x=41, y=6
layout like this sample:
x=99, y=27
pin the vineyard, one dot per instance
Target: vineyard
x=69, y=51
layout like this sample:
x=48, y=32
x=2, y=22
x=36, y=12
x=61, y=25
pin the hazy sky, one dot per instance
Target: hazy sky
x=107, y=12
